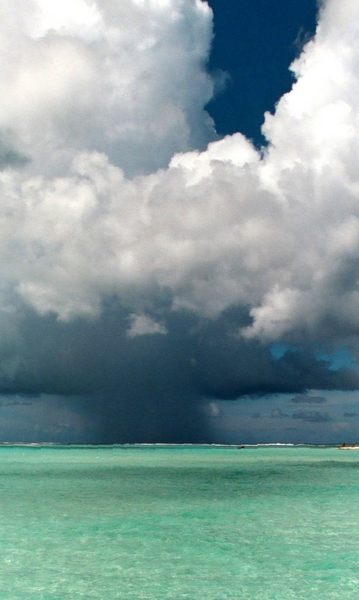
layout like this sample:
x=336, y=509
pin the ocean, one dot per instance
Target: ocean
x=173, y=523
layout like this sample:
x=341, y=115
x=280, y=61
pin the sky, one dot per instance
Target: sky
x=179, y=249
x=254, y=44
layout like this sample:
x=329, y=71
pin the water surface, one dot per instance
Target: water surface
x=156, y=523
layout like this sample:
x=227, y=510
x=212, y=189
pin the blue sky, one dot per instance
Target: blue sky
x=179, y=252
x=255, y=42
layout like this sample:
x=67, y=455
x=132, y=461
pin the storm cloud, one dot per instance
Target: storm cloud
x=146, y=263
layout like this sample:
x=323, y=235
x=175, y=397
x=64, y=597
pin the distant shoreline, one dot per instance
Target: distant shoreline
x=159, y=445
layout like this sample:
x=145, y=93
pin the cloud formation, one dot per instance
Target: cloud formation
x=109, y=199
x=123, y=78
x=144, y=325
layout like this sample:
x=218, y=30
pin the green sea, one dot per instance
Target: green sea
x=173, y=523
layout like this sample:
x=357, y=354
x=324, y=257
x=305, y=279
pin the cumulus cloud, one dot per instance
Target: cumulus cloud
x=216, y=229
x=123, y=78
x=109, y=199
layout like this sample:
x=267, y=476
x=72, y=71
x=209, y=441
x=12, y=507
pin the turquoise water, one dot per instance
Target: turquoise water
x=172, y=524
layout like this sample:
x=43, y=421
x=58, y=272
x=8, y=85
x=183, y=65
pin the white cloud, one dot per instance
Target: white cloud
x=124, y=78
x=144, y=325
x=276, y=233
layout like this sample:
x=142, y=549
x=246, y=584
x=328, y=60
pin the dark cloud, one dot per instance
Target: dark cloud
x=306, y=399
x=197, y=358
x=150, y=387
x=311, y=416
x=350, y=415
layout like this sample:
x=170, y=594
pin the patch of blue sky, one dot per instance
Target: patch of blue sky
x=339, y=359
